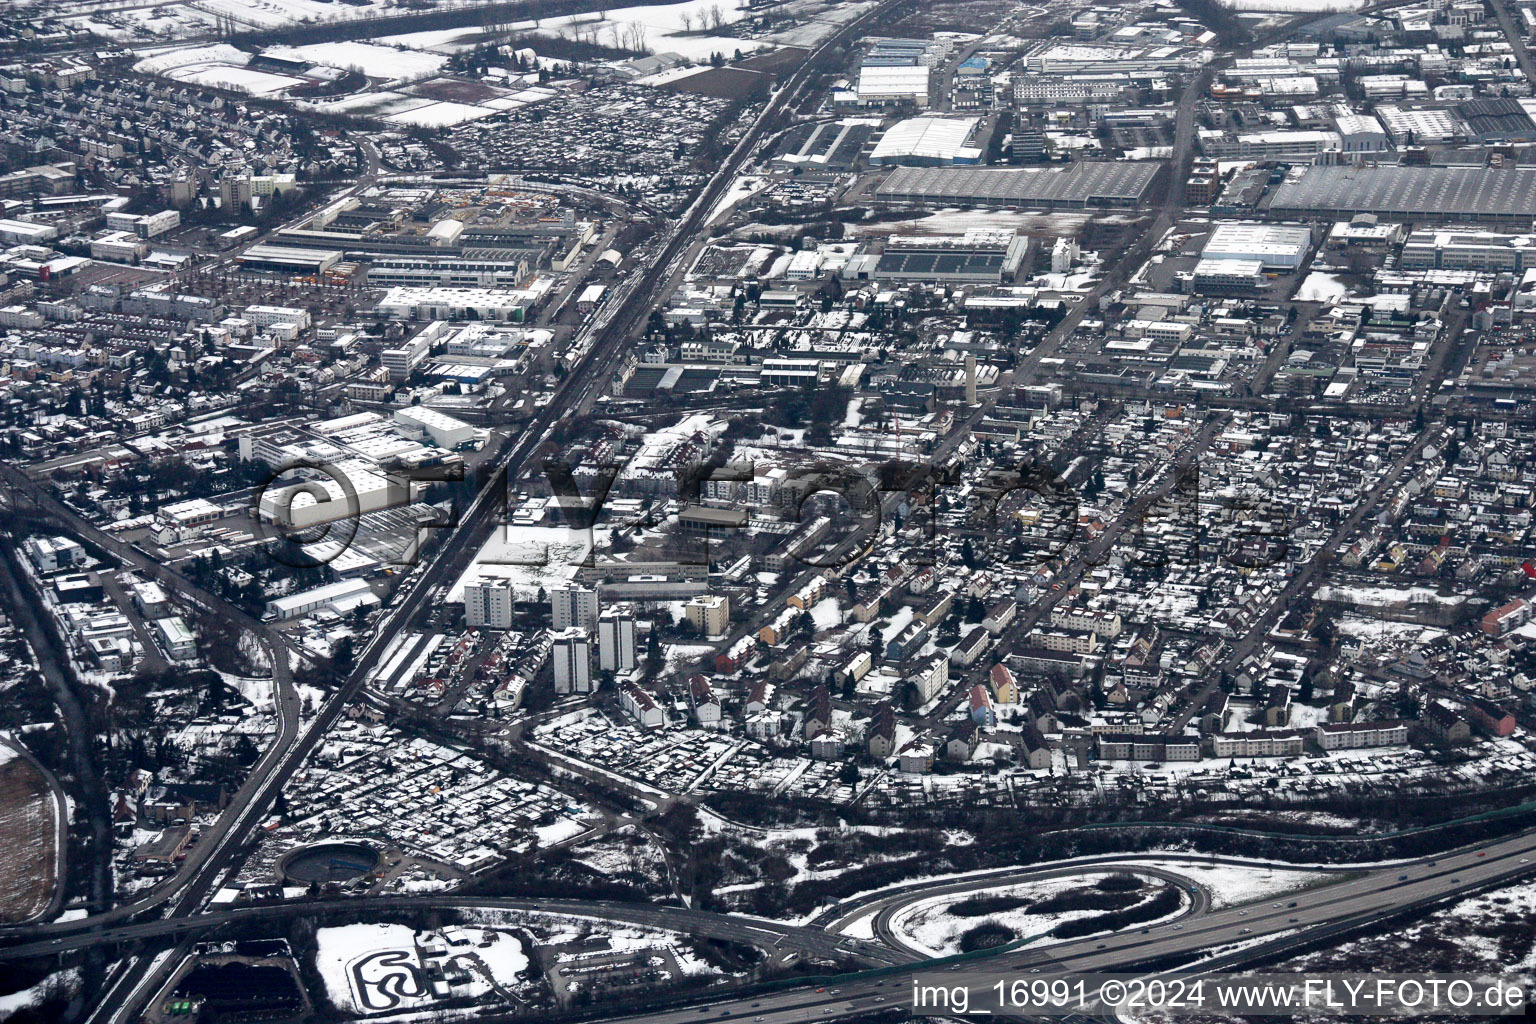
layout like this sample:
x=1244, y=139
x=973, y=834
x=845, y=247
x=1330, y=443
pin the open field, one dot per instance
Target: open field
x=28, y=823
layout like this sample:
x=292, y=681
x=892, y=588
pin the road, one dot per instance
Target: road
x=1272, y=925
x=67, y=690
x=1516, y=40
x=288, y=706
x=1084, y=558
x=1167, y=217
x=767, y=935
x=603, y=342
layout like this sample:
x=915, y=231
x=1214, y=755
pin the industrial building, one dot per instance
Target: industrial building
x=444, y=430
x=834, y=146
x=881, y=85
x=339, y=598
x=980, y=256
x=284, y=259
x=1477, y=194
x=1227, y=275
x=1422, y=127
x=928, y=142
x=402, y=359
x=1453, y=249
x=1274, y=246
x=408, y=271
x=145, y=225
x=323, y=498
x=119, y=247
x=452, y=304
x=1296, y=145
x=266, y=316
x=1360, y=133
x=1087, y=185
x=25, y=232
x=43, y=179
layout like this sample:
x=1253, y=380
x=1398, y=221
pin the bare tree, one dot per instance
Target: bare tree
x=686, y=17
x=716, y=17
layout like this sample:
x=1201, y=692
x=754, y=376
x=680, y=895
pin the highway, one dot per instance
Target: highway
x=1270, y=925
x=1228, y=937
x=767, y=935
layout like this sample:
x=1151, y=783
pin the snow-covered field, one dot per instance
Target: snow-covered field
x=1319, y=287
x=225, y=66
x=376, y=968
x=219, y=53
x=1294, y=6
x=1231, y=884
x=235, y=79
x=442, y=114
x=373, y=60
x=667, y=28
x=927, y=925
x=370, y=968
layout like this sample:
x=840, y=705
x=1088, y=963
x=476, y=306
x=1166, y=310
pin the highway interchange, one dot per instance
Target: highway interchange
x=1344, y=898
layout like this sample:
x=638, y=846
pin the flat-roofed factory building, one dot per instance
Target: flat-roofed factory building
x=1477, y=194
x=1088, y=185
x=980, y=256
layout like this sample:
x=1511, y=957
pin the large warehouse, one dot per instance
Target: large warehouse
x=927, y=142
x=288, y=260
x=980, y=256
x=879, y=85
x=1274, y=246
x=1483, y=194
x=1120, y=186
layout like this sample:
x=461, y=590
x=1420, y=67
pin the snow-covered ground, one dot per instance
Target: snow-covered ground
x=530, y=556
x=929, y=926
x=219, y=53
x=668, y=28
x=565, y=828
x=373, y=60
x=1231, y=884
x=1320, y=287
x=443, y=114
x=60, y=983
x=370, y=968
x=1294, y=6
x=235, y=79
x=376, y=968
